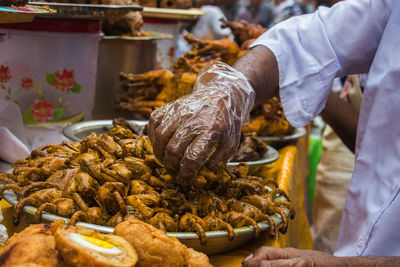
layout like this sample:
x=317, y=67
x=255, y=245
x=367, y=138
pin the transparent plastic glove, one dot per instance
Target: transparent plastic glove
x=203, y=127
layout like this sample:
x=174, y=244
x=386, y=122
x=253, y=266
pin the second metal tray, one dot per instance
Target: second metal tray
x=87, y=11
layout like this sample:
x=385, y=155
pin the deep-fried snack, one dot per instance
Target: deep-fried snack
x=155, y=248
x=34, y=246
x=108, y=178
x=250, y=148
x=79, y=246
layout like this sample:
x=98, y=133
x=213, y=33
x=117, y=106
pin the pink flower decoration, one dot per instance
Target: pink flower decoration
x=27, y=83
x=64, y=80
x=4, y=74
x=42, y=111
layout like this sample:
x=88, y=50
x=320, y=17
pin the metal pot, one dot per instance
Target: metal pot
x=116, y=54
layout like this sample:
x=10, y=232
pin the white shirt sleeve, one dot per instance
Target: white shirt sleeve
x=311, y=50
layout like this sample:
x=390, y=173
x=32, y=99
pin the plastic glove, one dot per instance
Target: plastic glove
x=203, y=127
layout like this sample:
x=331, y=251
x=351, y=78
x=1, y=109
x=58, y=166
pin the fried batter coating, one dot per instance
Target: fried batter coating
x=155, y=248
x=42, y=248
x=76, y=253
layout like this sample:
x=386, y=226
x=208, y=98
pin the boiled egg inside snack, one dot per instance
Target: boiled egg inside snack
x=82, y=247
x=95, y=244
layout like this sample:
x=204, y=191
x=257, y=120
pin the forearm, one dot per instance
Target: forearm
x=370, y=261
x=343, y=118
x=261, y=69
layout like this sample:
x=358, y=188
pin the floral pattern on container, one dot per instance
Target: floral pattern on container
x=27, y=83
x=5, y=75
x=64, y=80
x=42, y=111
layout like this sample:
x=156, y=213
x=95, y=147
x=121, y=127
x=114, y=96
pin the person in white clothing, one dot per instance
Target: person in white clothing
x=299, y=59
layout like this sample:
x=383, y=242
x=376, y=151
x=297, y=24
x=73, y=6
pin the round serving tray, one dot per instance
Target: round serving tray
x=270, y=156
x=87, y=11
x=154, y=36
x=298, y=132
x=172, y=13
x=27, y=13
x=80, y=130
x=217, y=241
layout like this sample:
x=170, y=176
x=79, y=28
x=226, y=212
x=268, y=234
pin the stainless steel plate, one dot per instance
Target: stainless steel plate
x=154, y=36
x=87, y=11
x=217, y=241
x=298, y=132
x=270, y=156
x=80, y=130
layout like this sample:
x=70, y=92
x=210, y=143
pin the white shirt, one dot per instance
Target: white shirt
x=353, y=36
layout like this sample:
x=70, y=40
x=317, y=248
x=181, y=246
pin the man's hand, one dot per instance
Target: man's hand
x=203, y=127
x=270, y=256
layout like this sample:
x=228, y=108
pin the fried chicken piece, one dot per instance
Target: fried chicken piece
x=155, y=248
x=42, y=248
x=244, y=30
x=79, y=246
x=227, y=49
x=129, y=24
x=251, y=148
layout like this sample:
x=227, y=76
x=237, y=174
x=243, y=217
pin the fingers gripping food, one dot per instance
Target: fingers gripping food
x=203, y=126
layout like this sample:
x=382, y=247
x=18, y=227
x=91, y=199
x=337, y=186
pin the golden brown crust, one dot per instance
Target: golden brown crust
x=74, y=254
x=155, y=248
x=42, y=249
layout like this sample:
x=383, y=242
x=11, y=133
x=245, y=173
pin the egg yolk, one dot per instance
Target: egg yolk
x=98, y=242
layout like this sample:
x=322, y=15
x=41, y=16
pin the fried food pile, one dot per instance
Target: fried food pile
x=269, y=119
x=108, y=178
x=250, y=148
x=245, y=33
x=127, y=25
x=145, y=92
x=133, y=243
x=205, y=51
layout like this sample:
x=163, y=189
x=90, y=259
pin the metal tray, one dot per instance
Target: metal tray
x=154, y=36
x=80, y=130
x=22, y=14
x=298, y=132
x=87, y=11
x=217, y=241
x=171, y=13
x=270, y=156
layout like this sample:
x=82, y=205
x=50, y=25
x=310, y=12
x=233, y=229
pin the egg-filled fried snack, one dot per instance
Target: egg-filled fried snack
x=34, y=246
x=79, y=246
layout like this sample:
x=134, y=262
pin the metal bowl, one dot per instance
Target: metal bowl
x=80, y=130
x=298, y=132
x=87, y=11
x=217, y=241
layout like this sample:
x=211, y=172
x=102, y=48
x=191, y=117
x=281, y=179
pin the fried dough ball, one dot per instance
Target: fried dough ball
x=80, y=246
x=34, y=246
x=155, y=248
